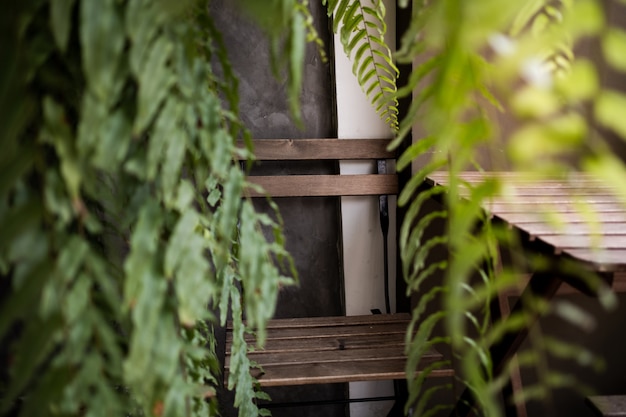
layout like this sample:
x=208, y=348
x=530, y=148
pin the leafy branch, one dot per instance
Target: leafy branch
x=474, y=62
x=121, y=210
x=361, y=25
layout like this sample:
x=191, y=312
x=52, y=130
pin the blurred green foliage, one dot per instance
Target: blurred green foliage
x=496, y=86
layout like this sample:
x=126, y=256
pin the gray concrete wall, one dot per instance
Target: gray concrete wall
x=311, y=224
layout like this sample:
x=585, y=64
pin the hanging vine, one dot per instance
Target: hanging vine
x=123, y=225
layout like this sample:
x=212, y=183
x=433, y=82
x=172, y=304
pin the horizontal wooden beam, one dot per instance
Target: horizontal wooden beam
x=324, y=185
x=324, y=149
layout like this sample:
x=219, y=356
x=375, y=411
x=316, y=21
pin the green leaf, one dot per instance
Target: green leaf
x=362, y=37
x=228, y=211
x=56, y=199
x=184, y=196
x=296, y=63
x=580, y=83
x=113, y=143
x=24, y=296
x=102, y=40
x=415, y=150
x=67, y=266
x=37, y=342
x=536, y=141
x=609, y=109
x=170, y=173
x=77, y=300
x=227, y=278
x=141, y=24
x=180, y=243
x=185, y=259
x=221, y=144
x=585, y=17
x=533, y=102
x=606, y=168
x=166, y=129
x=148, y=319
x=155, y=78
x=61, y=21
x=13, y=167
x=527, y=12
x=140, y=264
x=48, y=390
x=613, y=47
x=20, y=231
x=58, y=133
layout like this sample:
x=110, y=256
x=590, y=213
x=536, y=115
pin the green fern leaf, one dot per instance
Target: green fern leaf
x=362, y=36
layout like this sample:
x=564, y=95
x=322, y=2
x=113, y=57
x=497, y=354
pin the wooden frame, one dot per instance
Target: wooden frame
x=330, y=349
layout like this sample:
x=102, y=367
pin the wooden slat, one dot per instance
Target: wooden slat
x=572, y=178
x=339, y=366
x=329, y=321
x=319, y=327
x=556, y=206
x=325, y=185
x=609, y=405
x=519, y=218
x=315, y=149
x=326, y=343
x=603, y=260
x=334, y=331
x=264, y=358
x=579, y=227
x=328, y=373
x=334, y=349
x=515, y=183
x=591, y=242
x=533, y=207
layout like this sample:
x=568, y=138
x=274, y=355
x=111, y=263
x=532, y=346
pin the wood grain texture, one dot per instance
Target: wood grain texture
x=324, y=149
x=577, y=215
x=333, y=349
x=324, y=185
x=318, y=350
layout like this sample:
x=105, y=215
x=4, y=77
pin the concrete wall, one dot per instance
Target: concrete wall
x=313, y=239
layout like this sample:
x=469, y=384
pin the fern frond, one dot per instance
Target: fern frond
x=361, y=28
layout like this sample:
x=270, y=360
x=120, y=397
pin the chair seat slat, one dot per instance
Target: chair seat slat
x=333, y=349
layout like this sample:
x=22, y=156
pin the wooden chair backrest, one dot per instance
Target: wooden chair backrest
x=316, y=350
x=323, y=185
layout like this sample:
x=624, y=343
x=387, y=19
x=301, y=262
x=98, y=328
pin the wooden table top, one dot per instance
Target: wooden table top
x=578, y=216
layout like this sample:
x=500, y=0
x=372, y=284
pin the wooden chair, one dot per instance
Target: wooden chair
x=319, y=350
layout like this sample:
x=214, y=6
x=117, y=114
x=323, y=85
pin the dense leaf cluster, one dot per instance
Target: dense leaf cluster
x=121, y=213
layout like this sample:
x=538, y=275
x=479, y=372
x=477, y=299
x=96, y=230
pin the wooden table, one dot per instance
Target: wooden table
x=529, y=207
